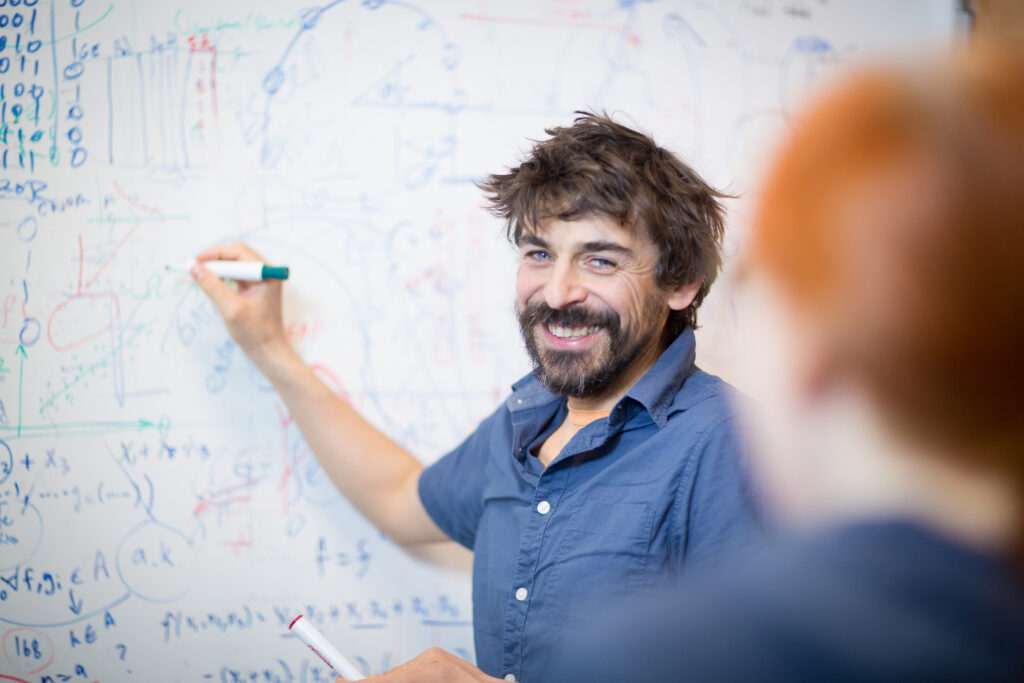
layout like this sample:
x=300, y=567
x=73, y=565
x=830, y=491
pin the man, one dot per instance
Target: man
x=616, y=461
x=887, y=254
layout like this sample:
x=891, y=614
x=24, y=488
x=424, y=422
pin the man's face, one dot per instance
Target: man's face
x=590, y=312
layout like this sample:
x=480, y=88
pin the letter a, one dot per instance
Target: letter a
x=100, y=564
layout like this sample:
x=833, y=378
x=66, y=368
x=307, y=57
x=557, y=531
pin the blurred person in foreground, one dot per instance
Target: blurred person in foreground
x=887, y=271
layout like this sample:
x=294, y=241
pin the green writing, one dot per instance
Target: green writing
x=252, y=21
x=90, y=370
x=84, y=28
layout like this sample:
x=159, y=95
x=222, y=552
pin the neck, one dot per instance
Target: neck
x=579, y=417
x=878, y=474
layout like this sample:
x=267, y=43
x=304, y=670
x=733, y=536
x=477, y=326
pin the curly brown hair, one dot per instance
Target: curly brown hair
x=599, y=167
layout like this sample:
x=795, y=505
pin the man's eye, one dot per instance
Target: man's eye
x=538, y=255
x=602, y=263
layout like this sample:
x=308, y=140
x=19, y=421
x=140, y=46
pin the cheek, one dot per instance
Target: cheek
x=630, y=300
x=528, y=284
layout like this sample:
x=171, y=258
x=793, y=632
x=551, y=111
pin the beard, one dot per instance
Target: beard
x=583, y=374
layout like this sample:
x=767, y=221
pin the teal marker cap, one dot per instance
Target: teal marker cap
x=274, y=273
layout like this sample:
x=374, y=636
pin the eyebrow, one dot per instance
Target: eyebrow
x=592, y=246
x=533, y=240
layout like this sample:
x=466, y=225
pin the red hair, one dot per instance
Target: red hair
x=894, y=221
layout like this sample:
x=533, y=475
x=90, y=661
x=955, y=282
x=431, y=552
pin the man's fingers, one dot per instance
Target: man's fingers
x=237, y=251
x=215, y=288
x=403, y=673
x=434, y=666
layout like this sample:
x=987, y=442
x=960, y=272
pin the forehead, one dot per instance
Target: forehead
x=589, y=230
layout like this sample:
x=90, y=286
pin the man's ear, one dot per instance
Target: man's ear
x=683, y=296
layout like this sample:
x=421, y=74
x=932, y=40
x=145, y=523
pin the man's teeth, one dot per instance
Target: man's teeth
x=572, y=332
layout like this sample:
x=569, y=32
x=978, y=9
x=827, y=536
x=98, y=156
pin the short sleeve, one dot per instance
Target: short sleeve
x=451, y=489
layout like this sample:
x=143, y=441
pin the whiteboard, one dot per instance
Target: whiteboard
x=161, y=518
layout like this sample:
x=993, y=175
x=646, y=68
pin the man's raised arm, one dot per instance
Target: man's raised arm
x=378, y=476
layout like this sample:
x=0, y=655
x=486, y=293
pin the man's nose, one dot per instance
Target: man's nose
x=565, y=287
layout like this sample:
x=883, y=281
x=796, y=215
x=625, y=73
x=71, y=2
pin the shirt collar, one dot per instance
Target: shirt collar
x=655, y=391
x=529, y=393
x=658, y=387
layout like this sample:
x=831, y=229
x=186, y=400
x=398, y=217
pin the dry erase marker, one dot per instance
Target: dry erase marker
x=250, y=271
x=316, y=641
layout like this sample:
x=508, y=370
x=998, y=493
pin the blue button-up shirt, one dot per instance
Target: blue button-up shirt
x=632, y=498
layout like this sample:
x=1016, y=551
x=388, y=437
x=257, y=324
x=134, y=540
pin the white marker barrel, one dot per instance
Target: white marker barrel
x=248, y=271
x=311, y=636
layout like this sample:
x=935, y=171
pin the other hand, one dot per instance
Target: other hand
x=433, y=666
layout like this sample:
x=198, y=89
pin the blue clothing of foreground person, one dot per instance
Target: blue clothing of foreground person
x=885, y=601
x=651, y=490
x=884, y=288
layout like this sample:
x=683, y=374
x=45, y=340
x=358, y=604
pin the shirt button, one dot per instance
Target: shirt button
x=521, y=594
x=510, y=677
x=543, y=507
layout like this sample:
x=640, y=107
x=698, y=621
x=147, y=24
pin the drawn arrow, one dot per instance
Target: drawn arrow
x=75, y=607
x=99, y=427
x=20, y=351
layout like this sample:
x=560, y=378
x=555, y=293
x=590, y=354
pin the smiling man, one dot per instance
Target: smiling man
x=612, y=466
x=578, y=279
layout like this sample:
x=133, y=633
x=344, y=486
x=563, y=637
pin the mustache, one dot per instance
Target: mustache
x=576, y=315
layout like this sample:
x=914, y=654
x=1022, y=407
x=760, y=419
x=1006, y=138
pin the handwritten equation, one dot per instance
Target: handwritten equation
x=161, y=516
